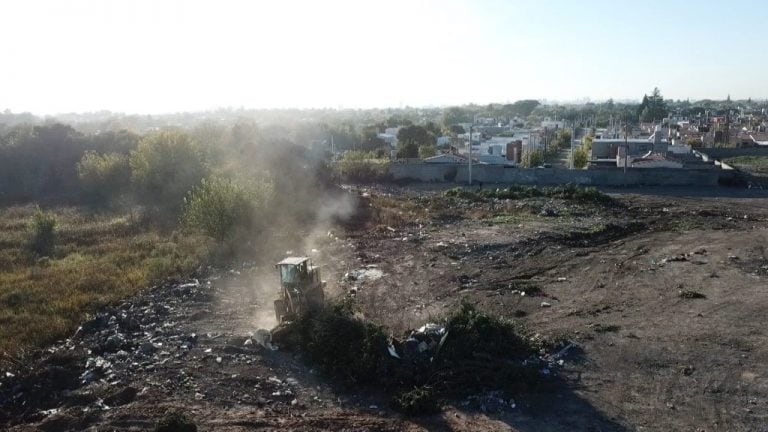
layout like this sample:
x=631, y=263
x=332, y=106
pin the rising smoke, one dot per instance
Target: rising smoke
x=302, y=219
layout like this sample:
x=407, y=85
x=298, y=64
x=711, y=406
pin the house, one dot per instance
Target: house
x=552, y=124
x=609, y=148
x=500, y=151
x=389, y=136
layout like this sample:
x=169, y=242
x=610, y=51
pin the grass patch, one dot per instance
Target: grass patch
x=398, y=212
x=97, y=260
x=588, y=195
x=752, y=164
x=476, y=351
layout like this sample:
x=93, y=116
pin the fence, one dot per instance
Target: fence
x=457, y=173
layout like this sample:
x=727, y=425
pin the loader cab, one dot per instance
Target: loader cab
x=297, y=272
x=301, y=288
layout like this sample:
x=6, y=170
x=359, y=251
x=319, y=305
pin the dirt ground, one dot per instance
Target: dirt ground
x=663, y=297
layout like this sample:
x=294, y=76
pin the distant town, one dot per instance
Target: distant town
x=469, y=143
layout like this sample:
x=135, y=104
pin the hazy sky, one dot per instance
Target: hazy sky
x=161, y=56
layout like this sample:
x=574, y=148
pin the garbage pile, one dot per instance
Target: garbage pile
x=421, y=344
x=115, y=356
x=468, y=353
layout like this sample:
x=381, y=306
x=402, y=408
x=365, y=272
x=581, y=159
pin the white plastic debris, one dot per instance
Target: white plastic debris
x=263, y=337
x=393, y=351
x=431, y=328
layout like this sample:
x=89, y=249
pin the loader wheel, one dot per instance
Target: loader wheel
x=317, y=300
x=279, y=310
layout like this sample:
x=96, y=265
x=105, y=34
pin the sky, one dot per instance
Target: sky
x=156, y=56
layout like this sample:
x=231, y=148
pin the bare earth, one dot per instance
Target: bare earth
x=664, y=298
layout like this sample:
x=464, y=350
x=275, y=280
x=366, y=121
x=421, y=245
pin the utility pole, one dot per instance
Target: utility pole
x=469, y=159
x=626, y=148
x=573, y=137
x=728, y=121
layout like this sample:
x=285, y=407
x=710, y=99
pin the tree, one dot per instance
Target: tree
x=524, y=108
x=643, y=106
x=104, y=177
x=371, y=140
x=40, y=161
x=164, y=167
x=532, y=158
x=563, y=139
x=454, y=115
x=457, y=130
x=653, y=108
x=433, y=128
x=427, y=151
x=362, y=166
x=410, y=138
x=221, y=207
x=580, y=158
x=407, y=150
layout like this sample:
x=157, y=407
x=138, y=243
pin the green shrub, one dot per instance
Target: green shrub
x=175, y=421
x=344, y=347
x=164, y=167
x=477, y=349
x=588, y=195
x=219, y=207
x=42, y=233
x=580, y=158
x=532, y=158
x=103, y=177
x=563, y=139
x=427, y=151
x=418, y=401
x=474, y=333
x=361, y=166
x=587, y=143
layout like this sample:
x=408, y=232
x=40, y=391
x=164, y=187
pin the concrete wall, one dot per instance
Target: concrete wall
x=724, y=153
x=550, y=176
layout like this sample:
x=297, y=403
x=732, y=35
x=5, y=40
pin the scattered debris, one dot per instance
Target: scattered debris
x=368, y=274
x=263, y=337
x=491, y=402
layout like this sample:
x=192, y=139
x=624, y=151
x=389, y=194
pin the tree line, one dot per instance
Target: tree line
x=215, y=178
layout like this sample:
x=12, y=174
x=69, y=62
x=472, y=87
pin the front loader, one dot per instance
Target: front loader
x=301, y=289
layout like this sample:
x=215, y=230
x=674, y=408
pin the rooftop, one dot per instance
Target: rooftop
x=293, y=261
